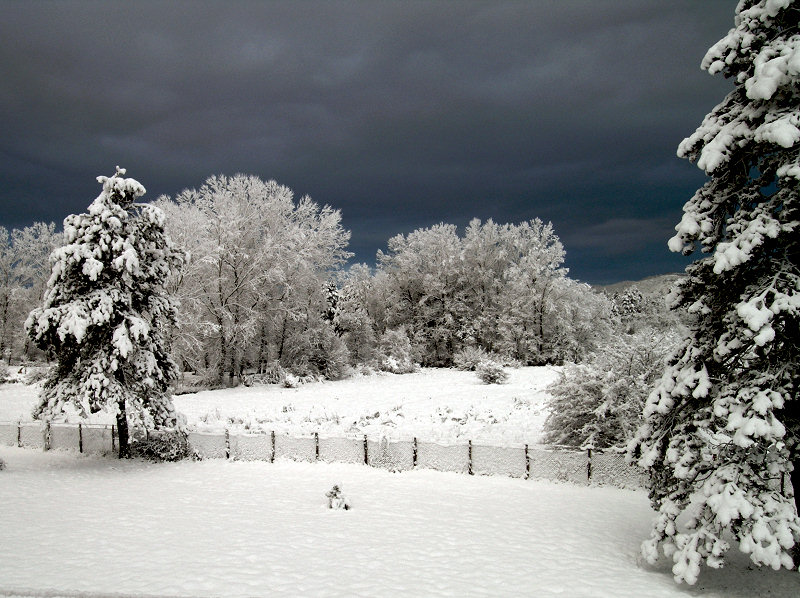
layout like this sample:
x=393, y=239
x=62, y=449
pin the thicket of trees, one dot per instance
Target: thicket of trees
x=24, y=271
x=265, y=285
x=237, y=277
x=502, y=288
x=254, y=291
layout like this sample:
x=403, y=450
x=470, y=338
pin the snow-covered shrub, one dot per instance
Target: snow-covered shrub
x=599, y=403
x=491, y=372
x=202, y=379
x=289, y=380
x=165, y=445
x=585, y=411
x=364, y=369
x=2, y=464
x=336, y=499
x=273, y=374
x=318, y=350
x=470, y=357
x=395, y=352
x=575, y=397
x=36, y=374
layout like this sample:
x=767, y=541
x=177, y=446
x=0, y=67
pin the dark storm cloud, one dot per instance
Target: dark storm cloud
x=401, y=114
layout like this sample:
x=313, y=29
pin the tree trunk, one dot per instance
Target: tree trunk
x=223, y=354
x=263, y=349
x=283, y=337
x=122, y=432
x=795, y=477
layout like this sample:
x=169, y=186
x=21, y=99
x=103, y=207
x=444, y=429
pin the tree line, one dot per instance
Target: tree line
x=265, y=283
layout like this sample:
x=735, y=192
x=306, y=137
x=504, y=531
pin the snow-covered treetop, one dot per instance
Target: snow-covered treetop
x=117, y=189
x=765, y=66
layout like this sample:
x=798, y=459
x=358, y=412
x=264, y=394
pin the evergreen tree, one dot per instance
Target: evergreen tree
x=722, y=427
x=105, y=313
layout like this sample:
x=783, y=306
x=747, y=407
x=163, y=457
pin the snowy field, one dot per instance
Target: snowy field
x=433, y=404
x=76, y=526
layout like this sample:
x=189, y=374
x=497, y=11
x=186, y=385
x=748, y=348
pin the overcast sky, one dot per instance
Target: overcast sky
x=400, y=114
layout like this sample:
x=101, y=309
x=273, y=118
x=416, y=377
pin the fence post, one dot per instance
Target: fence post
x=589, y=466
x=80, y=437
x=316, y=446
x=47, y=435
x=414, y=452
x=113, y=438
x=527, y=464
x=19, y=434
x=272, y=456
x=227, y=444
x=366, y=455
x=469, y=455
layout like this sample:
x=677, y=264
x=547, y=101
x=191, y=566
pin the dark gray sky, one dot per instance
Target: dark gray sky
x=401, y=114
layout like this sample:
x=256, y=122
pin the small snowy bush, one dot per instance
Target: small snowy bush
x=273, y=374
x=336, y=499
x=2, y=465
x=395, y=352
x=163, y=446
x=35, y=374
x=469, y=358
x=289, y=380
x=317, y=351
x=491, y=373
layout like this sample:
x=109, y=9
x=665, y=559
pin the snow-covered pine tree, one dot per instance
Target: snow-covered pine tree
x=105, y=312
x=722, y=427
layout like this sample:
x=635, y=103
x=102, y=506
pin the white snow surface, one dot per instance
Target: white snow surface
x=441, y=405
x=84, y=526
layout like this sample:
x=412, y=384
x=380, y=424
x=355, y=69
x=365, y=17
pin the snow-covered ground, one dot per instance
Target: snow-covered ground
x=433, y=404
x=71, y=524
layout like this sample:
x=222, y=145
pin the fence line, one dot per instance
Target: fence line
x=86, y=438
x=522, y=461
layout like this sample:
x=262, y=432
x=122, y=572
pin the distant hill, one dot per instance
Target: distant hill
x=652, y=285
